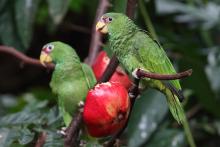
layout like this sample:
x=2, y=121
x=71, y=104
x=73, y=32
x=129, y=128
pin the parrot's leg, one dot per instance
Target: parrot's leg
x=134, y=90
x=81, y=104
x=136, y=76
x=62, y=131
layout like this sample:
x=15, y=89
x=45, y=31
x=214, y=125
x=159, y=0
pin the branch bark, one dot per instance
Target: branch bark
x=144, y=74
x=96, y=36
x=24, y=59
x=41, y=139
x=72, y=131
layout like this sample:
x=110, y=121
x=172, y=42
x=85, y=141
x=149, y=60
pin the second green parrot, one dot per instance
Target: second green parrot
x=71, y=79
x=135, y=49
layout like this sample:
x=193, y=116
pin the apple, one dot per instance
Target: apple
x=106, y=109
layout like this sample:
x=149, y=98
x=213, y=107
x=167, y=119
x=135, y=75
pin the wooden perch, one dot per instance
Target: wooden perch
x=24, y=58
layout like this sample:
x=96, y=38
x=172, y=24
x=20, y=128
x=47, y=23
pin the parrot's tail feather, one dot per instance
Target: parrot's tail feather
x=178, y=93
x=174, y=105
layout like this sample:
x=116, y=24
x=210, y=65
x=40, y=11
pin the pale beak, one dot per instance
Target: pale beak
x=101, y=27
x=45, y=58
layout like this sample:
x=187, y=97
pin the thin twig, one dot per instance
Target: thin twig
x=96, y=36
x=113, y=64
x=25, y=59
x=144, y=74
x=41, y=139
x=72, y=131
x=131, y=5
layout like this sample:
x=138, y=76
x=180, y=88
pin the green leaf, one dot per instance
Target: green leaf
x=213, y=69
x=199, y=83
x=7, y=136
x=57, y=9
x=2, y=4
x=8, y=32
x=25, y=11
x=119, y=6
x=205, y=15
x=149, y=110
x=167, y=138
x=53, y=139
x=77, y=5
x=21, y=118
x=26, y=136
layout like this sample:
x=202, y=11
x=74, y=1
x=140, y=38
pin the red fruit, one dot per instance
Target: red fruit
x=101, y=64
x=106, y=109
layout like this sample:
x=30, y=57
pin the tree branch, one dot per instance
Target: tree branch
x=25, y=59
x=113, y=64
x=41, y=139
x=72, y=131
x=96, y=36
x=144, y=74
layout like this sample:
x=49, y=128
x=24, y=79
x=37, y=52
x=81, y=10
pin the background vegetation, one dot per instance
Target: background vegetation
x=187, y=29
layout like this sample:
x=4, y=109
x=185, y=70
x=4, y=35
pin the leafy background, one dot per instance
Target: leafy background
x=188, y=30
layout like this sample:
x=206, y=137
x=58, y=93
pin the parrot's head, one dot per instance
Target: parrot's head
x=56, y=52
x=113, y=23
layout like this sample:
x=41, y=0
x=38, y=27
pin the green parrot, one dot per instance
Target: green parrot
x=135, y=49
x=71, y=79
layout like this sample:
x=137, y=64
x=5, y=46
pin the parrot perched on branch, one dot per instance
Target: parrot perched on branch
x=71, y=79
x=135, y=49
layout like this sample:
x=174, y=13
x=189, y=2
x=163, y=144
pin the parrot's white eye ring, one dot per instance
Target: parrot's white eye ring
x=109, y=19
x=50, y=47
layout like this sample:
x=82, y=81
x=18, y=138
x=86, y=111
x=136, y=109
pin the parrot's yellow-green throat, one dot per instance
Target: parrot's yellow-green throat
x=45, y=54
x=45, y=58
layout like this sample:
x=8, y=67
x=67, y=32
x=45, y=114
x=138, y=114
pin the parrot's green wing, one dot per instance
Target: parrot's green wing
x=89, y=75
x=154, y=58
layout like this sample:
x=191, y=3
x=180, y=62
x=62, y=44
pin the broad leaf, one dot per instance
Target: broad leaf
x=149, y=110
x=57, y=9
x=8, y=32
x=25, y=11
x=167, y=138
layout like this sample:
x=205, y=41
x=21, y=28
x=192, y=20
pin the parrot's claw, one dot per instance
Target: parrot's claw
x=131, y=95
x=134, y=73
x=62, y=131
x=81, y=104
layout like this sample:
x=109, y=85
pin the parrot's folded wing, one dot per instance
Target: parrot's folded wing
x=89, y=75
x=152, y=55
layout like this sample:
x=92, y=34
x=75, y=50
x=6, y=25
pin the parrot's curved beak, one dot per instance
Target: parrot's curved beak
x=102, y=27
x=45, y=58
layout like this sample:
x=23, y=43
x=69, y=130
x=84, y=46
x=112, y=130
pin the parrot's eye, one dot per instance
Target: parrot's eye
x=49, y=48
x=109, y=19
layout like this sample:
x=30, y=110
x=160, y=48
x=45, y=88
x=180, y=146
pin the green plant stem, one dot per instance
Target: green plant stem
x=147, y=20
x=188, y=133
x=205, y=34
